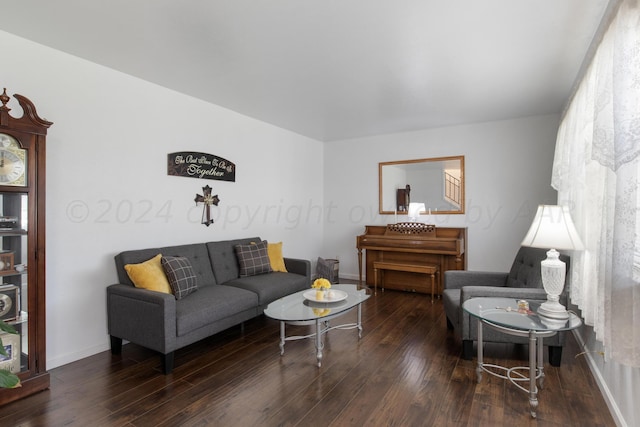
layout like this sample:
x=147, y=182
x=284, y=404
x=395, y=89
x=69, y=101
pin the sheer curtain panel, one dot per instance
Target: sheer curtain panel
x=596, y=171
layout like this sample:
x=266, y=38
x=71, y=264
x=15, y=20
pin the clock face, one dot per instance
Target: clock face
x=5, y=304
x=13, y=165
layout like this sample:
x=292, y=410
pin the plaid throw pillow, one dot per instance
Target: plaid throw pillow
x=180, y=275
x=253, y=259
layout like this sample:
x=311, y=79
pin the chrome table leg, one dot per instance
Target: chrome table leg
x=533, y=365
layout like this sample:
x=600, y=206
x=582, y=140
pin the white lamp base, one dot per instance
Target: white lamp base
x=553, y=272
x=553, y=310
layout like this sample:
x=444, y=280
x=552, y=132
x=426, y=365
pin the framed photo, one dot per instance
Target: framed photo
x=11, y=344
x=6, y=261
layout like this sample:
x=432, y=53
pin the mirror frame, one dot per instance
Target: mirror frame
x=427, y=160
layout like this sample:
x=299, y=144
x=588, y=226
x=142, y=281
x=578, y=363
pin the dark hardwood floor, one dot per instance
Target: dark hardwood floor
x=405, y=371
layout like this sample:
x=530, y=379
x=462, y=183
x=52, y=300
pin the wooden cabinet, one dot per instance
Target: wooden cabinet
x=22, y=245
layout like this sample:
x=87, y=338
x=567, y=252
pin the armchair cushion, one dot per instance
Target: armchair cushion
x=525, y=270
x=502, y=292
x=456, y=279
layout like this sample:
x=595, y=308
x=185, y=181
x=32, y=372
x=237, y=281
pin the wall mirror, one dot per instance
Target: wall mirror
x=436, y=182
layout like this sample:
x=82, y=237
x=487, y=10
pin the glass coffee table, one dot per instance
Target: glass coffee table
x=302, y=308
x=505, y=315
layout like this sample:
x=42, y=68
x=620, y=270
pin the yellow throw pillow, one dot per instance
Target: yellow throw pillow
x=275, y=257
x=149, y=275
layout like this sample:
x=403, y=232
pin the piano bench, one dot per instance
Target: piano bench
x=428, y=269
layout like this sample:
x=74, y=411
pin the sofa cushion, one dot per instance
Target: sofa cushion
x=180, y=274
x=211, y=304
x=132, y=257
x=253, y=259
x=198, y=256
x=196, y=253
x=149, y=275
x=276, y=259
x=223, y=258
x=270, y=287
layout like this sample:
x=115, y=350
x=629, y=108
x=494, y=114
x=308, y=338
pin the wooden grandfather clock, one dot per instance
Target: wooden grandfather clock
x=22, y=246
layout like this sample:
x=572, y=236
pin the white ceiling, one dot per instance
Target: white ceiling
x=333, y=69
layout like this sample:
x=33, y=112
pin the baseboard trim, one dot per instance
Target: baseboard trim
x=72, y=357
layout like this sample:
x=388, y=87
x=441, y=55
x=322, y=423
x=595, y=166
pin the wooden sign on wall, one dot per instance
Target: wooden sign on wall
x=200, y=165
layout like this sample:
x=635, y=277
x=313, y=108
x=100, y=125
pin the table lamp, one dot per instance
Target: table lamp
x=553, y=228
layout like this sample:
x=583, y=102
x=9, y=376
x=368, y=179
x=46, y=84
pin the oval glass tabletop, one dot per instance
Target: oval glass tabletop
x=505, y=312
x=296, y=307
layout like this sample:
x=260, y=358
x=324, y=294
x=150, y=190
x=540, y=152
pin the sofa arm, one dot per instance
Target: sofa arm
x=144, y=317
x=298, y=266
x=456, y=279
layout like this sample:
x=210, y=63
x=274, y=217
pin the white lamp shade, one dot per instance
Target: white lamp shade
x=553, y=227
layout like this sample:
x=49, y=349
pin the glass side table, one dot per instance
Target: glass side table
x=504, y=315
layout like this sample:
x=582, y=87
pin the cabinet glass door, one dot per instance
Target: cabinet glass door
x=13, y=273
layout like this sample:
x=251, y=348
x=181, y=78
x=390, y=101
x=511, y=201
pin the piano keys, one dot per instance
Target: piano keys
x=411, y=243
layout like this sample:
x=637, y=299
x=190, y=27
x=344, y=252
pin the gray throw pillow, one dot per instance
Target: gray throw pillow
x=180, y=274
x=253, y=259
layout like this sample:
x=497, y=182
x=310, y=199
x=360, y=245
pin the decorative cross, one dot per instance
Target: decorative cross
x=208, y=200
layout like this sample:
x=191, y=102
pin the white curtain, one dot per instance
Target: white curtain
x=596, y=172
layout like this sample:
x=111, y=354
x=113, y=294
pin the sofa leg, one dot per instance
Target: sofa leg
x=555, y=355
x=116, y=345
x=467, y=349
x=167, y=363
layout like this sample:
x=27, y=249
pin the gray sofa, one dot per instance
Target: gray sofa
x=161, y=322
x=523, y=281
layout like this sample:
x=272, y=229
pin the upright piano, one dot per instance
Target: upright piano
x=412, y=243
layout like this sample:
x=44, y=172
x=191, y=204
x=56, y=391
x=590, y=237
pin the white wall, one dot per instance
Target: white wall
x=108, y=188
x=507, y=174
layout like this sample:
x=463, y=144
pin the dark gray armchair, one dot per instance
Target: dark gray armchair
x=522, y=282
